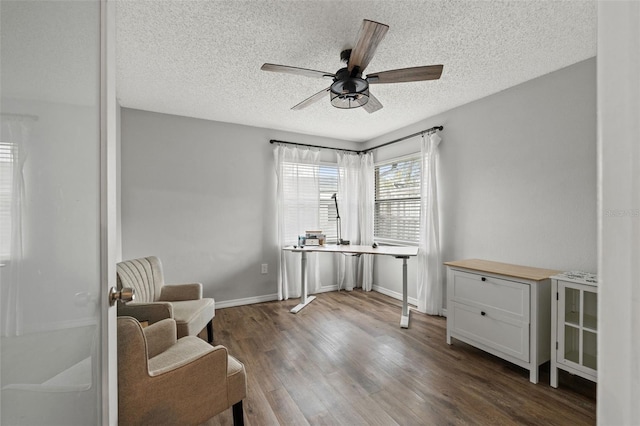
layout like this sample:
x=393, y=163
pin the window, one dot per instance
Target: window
x=299, y=199
x=6, y=189
x=397, y=201
x=328, y=183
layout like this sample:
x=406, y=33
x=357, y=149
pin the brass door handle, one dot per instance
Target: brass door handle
x=125, y=295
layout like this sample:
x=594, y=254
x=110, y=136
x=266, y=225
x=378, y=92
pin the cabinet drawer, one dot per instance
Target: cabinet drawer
x=500, y=296
x=499, y=332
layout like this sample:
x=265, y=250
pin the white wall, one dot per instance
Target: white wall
x=517, y=177
x=201, y=196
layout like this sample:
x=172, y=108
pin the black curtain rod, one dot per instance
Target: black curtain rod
x=314, y=146
x=433, y=129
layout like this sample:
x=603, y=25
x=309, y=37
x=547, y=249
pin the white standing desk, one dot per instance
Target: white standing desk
x=396, y=251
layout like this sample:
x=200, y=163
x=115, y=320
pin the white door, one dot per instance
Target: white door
x=57, y=208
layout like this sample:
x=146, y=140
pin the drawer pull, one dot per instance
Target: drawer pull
x=483, y=313
x=484, y=279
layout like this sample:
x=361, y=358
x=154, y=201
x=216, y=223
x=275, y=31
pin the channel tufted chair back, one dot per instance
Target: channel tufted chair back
x=144, y=275
x=155, y=300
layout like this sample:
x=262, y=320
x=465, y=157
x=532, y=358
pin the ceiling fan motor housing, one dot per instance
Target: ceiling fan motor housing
x=349, y=89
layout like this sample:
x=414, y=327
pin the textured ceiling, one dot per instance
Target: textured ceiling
x=202, y=58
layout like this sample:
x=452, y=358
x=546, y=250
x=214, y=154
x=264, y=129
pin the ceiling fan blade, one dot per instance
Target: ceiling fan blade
x=311, y=99
x=373, y=105
x=297, y=71
x=371, y=34
x=431, y=72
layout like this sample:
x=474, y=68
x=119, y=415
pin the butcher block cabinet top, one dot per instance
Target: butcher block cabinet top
x=507, y=269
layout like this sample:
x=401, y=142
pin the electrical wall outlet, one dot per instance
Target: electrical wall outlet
x=264, y=269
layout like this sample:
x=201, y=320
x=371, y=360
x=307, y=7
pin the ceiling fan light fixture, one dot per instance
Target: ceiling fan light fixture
x=349, y=93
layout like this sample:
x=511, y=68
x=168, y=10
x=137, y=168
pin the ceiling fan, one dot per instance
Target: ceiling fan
x=349, y=89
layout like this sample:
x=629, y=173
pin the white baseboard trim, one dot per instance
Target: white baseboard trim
x=265, y=298
x=327, y=288
x=246, y=301
x=394, y=294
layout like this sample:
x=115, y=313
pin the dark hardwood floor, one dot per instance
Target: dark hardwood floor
x=345, y=360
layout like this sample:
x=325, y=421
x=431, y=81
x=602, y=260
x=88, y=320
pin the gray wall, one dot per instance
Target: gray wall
x=201, y=196
x=517, y=175
x=517, y=185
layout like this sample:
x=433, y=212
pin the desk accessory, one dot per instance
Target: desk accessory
x=340, y=241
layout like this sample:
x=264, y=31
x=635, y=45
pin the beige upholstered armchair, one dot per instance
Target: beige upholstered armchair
x=164, y=380
x=155, y=301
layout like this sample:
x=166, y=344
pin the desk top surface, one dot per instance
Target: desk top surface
x=398, y=251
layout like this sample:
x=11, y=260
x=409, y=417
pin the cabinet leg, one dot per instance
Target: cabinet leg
x=553, y=380
x=533, y=375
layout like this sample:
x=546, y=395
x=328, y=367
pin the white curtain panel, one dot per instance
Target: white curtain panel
x=298, y=205
x=366, y=213
x=429, y=265
x=348, y=204
x=355, y=201
x=14, y=136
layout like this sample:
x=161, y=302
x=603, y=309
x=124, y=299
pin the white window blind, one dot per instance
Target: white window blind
x=328, y=183
x=6, y=189
x=309, y=206
x=397, y=201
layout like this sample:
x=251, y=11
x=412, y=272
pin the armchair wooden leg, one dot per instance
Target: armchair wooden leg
x=238, y=414
x=210, y=331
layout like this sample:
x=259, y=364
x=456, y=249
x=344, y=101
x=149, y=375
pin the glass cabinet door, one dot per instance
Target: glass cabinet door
x=590, y=329
x=572, y=325
x=578, y=313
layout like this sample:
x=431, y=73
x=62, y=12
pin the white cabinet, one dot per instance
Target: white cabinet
x=574, y=325
x=502, y=309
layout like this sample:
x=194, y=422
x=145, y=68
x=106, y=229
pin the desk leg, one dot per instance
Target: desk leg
x=304, y=299
x=404, y=320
